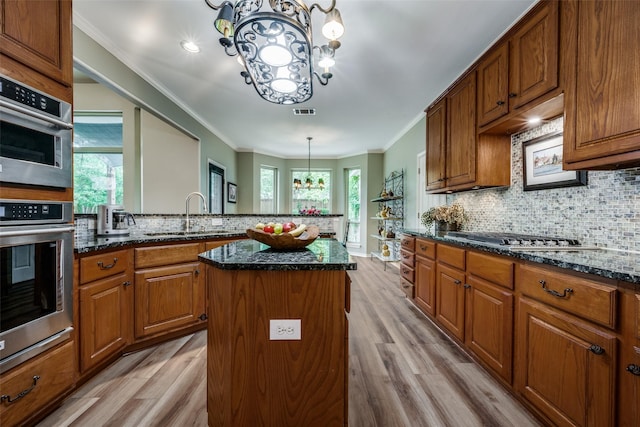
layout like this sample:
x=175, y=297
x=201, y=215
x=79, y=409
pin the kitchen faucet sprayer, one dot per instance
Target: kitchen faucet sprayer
x=204, y=206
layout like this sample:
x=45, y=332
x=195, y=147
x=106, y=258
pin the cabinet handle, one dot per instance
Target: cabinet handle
x=634, y=370
x=500, y=103
x=7, y=398
x=196, y=272
x=423, y=248
x=457, y=282
x=596, y=349
x=127, y=283
x=467, y=286
x=513, y=95
x=108, y=266
x=564, y=294
x=203, y=316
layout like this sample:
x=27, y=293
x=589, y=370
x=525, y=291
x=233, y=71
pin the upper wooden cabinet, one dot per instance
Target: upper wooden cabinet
x=436, y=140
x=461, y=132
x=37, y=33
x=602, y=88
x=522, y=68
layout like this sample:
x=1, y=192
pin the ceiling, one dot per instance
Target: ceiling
x=396, y=57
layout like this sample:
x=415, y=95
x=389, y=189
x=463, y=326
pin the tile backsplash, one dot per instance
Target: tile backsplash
x=605, y=212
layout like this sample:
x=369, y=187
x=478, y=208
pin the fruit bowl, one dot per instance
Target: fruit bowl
x=285, y=241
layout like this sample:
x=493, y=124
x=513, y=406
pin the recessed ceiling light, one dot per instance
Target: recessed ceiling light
x=190, y=47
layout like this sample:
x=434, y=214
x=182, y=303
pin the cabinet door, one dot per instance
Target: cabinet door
x=37, y=33
x=450, y=299
x=533, y=57
x=168, y=298
x=436, y=145
x=493, y=85
x=565, y=366
x=489, y=325
x=105, y=319
x=461, y=132
x=425, y=285
x=602, y=108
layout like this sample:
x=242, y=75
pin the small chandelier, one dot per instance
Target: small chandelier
x=297, y=183
x=276, y=47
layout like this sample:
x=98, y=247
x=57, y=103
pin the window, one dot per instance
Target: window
x=216, y=189
x=315, y=199
x=268, y=189
x=97, y=160
x=353, y=206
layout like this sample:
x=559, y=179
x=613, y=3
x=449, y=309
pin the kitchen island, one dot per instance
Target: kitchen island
x=277, y=338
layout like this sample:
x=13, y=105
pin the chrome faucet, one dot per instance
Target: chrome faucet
x=204, y=204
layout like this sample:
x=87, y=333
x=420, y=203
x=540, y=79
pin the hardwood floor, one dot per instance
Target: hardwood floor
x=402, y=372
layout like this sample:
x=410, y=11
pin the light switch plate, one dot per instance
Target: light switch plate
x=216, y=221
x=285, y=329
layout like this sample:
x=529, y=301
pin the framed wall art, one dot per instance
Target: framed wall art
x=232, y=192
x=542, y=165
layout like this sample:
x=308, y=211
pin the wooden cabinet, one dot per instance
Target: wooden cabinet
x=460, y=153
x=37, y=34
x=522, y=68
x=602, y=111
x=436, y=146
x=41, y=381
x=425, y=277
x=105, y=299
x=450, y=290
x=565, y=367
x=169, y=289
x=407, y=265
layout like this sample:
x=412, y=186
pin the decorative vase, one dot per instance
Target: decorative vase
x=442, y=226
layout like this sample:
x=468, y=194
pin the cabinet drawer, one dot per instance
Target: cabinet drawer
x=491, y=268
x=426, y=248
x=55, y=369
x=407, y=288
x=408, y=243
x=584, y=298
x=452, y=256
x=407, y=258
x=406, y=272
x=104, y=265
x=157, y=256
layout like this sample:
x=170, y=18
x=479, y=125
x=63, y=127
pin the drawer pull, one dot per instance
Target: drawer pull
x=596, y=349
x=467, y=286
x=457, y=282
x=197, y=272
x=108, y=266
x=634, y=369
x=564, y=294
x=203, y=316
x=127, y=283
x=7, y=398
x=423, y=248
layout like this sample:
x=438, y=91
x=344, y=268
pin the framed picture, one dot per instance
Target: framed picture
x=232, y=192
x=542, y=165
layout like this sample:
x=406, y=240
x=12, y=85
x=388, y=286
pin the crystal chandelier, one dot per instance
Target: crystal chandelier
x=276, y=47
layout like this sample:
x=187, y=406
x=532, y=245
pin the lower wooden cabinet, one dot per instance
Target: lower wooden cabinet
x=41, y=380
x=105, y=319
x=565, y=367
x=450, y=299
x=168, y=298
x=425, y=285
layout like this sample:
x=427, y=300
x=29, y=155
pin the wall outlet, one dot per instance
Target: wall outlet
x=216, y=221
x=285, y=329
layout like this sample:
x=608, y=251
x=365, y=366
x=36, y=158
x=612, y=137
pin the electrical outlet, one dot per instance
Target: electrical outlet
x=285, y=329
x=216, y=221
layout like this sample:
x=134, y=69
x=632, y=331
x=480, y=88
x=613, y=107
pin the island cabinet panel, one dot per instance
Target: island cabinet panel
x=168, y=298
x=55, y=372
x=253, y=380
x=602, y=112
x=565, y=367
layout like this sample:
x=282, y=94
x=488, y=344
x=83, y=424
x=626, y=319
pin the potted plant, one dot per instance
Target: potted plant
x=446, y=218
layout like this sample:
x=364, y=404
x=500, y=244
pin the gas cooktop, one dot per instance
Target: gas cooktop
x=513, y=241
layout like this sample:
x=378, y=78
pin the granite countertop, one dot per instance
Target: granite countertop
x=91, y=243
x=323, y=254
x=612, y=264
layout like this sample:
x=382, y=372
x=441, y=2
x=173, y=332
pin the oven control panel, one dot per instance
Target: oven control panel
x=17, y=212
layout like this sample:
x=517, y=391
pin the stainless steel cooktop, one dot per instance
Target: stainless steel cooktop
x=515, y=242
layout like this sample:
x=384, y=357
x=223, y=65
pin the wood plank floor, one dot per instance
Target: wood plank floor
x=402, y=372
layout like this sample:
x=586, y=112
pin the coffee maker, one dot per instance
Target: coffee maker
x=113, y=221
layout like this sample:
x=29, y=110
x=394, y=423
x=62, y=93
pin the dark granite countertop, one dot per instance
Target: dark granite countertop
x=612, y=264
x=86, y=244
x=323, y=254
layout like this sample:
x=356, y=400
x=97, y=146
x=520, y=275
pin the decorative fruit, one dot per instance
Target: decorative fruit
x=298, y=231
x=288, y=226
x=268, y=229
x=259, y=226
x=277, y=229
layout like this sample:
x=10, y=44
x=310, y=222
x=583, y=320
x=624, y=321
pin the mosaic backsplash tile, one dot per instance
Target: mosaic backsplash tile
x=605, y=212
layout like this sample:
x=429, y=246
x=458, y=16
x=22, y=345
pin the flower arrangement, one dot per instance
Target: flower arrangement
x=454, y=215
x=312, y=211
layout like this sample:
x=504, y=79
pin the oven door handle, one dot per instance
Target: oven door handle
x=32, y=231
x=61, y=124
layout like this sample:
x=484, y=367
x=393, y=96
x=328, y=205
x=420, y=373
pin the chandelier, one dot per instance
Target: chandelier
x=297, y=183
x=276, y=47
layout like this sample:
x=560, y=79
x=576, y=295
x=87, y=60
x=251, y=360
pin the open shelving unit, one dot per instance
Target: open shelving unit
x=390, y=218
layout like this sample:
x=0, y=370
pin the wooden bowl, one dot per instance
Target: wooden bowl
x=285, y=241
